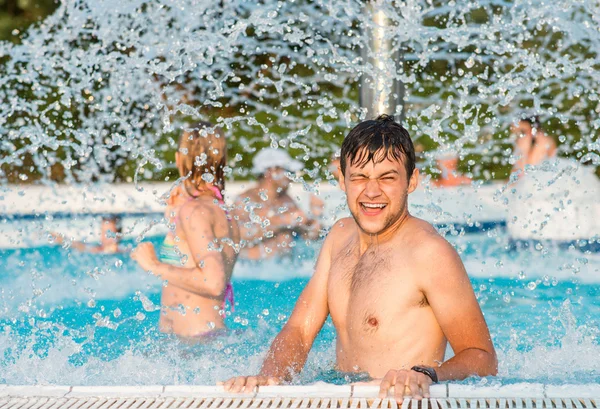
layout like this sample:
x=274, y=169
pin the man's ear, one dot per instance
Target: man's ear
x=341, y=180
x=413, y=182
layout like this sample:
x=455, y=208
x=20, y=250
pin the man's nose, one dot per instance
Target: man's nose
x=372, y=190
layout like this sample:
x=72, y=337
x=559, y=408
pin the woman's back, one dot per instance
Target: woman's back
x=205, y=238
x=197, y=258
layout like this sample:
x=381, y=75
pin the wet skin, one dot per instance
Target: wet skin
x=193, y=293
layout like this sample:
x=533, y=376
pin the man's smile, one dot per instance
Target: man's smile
x=372, y=209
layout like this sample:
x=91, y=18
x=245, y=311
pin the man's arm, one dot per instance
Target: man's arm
x=295, y=219
x=448, y=290
x=77, y=245
x=208, y=277
x=450, y=295
x=290, y=348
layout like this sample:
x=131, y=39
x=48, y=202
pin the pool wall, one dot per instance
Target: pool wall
x=564, y=212
x=65, y=208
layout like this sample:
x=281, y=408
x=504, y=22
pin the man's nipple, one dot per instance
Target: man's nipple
x=373, y=322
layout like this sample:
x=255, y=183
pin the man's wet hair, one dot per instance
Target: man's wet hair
x=376, y=140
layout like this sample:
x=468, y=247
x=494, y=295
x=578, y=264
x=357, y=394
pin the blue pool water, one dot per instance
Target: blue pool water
x=80, y=319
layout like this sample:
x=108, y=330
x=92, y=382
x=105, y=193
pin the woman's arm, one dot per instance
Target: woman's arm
x=208, y=276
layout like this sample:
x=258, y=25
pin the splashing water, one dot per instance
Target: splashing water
x=99, y=81
x=60, y=339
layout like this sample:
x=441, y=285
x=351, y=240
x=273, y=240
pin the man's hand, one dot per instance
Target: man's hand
x=246, y=384
x=145, y=256
x=412, y=383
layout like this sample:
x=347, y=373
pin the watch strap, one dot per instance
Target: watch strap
x=427, y=371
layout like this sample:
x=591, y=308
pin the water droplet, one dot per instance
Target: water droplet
x=208, y=177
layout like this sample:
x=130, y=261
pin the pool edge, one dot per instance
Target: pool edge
x=318, y=390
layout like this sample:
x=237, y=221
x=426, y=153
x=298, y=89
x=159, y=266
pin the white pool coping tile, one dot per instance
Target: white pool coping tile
x=204, y=391
x=518, y=390
x=318, y=390
x=116, y=391
x=573, y=391
x=372, y=391
x=34, y=390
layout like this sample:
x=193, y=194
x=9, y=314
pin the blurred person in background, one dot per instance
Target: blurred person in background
x=110, y=236
x=198, y=254
x=532, y=145
x=448, y=165
x=269, y=218
x=334, y=165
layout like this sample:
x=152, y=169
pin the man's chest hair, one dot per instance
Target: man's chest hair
x=359, y=272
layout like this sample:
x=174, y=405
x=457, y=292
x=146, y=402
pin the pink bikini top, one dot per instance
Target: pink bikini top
x=219, y=197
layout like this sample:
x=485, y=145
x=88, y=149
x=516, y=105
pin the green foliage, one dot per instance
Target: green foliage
x=484, y=157
x=17, y=15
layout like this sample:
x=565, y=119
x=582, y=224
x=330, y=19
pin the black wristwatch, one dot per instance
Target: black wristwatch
x=427, y=371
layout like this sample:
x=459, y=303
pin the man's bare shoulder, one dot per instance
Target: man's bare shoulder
x=340, y=233
x=425, y=242
x=430, y=252
x=342, y=228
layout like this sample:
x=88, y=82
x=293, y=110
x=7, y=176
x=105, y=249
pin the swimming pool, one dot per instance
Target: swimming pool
x=78, y=319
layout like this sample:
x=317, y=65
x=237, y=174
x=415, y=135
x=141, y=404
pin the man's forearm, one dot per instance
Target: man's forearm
x=189, y=279
x=472, y=361
x=286, y=356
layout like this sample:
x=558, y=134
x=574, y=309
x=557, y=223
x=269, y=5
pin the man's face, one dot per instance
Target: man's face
x=108, y=232
x=522, y=129
x=377, y=193
x=277, y=175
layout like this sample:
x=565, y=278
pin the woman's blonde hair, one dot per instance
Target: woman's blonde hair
x=203, y=157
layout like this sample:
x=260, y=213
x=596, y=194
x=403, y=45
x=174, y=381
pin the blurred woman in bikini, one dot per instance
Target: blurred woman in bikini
x=197, y=257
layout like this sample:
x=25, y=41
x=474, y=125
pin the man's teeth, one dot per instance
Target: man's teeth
x=374, y=205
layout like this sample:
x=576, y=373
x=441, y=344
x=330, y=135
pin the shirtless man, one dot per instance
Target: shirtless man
x=270, y=201
x=532, y=146
x=397, y=292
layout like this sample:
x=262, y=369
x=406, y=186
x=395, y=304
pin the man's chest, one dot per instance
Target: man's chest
x=376, y=287
x=272, y=207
